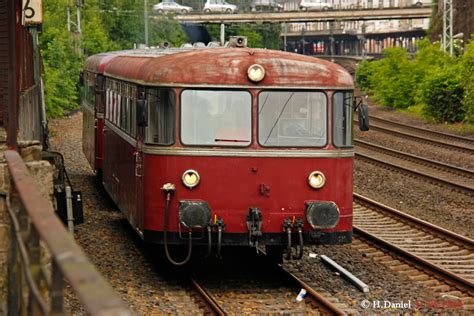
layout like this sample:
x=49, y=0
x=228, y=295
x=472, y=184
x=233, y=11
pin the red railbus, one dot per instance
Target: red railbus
x=223, y=147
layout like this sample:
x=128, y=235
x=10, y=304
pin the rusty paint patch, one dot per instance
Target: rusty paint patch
x=225, y=67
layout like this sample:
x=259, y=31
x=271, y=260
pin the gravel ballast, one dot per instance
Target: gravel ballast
x=125, y=261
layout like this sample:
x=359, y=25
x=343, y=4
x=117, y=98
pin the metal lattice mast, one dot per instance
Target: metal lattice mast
x=448, y=26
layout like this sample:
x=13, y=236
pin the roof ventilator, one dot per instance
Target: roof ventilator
x=165, y=45
x=238, y=41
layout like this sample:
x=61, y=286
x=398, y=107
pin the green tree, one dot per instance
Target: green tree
x=166, y=30
x=63, y=52
x=431, y=79
x=468, y=82
x=442, y=95
x=123, y=21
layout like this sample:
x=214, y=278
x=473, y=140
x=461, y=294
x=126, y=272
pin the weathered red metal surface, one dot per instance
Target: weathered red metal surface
x=96, y=63
x=228, y=67
x=92, y=289
x=231, y=186
x=119, y=173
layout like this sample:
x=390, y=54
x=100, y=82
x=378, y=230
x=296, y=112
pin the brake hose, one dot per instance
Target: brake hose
x=165, y=236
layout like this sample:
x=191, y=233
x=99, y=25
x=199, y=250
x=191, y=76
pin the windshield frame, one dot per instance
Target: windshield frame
x=327, y=116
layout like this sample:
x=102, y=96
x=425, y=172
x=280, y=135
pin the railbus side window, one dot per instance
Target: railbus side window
x=161, y=117
x=90, y=91
x=107, y=103
x=342, y=119
x=133, y=111
x=216, y=118
x=292, y=119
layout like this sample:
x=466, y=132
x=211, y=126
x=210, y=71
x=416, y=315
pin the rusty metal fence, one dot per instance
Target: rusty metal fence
x=34, y=288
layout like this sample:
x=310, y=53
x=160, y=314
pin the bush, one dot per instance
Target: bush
x=442, y=95
x=363, y=75
x=468, y=82
x=431, y=80
x=389, y=79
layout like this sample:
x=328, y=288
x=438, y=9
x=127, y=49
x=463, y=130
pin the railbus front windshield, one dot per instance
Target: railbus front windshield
x=216, y=118
x=292, y=119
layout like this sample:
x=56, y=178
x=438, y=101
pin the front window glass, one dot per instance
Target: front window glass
x=342, y=119
x=216, y=118
x=292, y=119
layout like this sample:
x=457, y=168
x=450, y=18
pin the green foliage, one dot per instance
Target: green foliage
x=64, y=52
x=468, y=81
x=364, y=75
x=61, y=60
x=166, y=30
x=123, y=21
x=442, y=94
x=430, y=79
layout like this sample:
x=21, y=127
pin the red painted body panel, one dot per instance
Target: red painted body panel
x=231, y=187
x=119, y=173
x=229, y=67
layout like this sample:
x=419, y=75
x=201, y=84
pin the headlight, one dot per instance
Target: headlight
x=256, y=73
x=190, y=178
x=316, y=179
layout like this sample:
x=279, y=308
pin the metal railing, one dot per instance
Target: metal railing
x=32, y=289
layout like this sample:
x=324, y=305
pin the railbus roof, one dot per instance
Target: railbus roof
x=224, y=67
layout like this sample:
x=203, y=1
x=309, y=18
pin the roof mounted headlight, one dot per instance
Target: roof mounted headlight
x=190, y=178
x=256, y=73
x=316, y=179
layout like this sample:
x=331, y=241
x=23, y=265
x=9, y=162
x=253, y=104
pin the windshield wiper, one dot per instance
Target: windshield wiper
x=278, y=118
x=231, y=140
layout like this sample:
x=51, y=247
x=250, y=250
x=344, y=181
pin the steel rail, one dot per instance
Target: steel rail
x=424, y=224
x=453, y=137
x=426, y=227
x=93, y=291
x=327, y=305
x=458, y=186
x=418, y=159
x=422, y=139
x=212, y=305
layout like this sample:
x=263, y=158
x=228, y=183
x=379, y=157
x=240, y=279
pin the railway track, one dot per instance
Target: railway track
x=444, y=254
x=438, y=139
x=255, y=295
x=460, y=179
x=205, y=300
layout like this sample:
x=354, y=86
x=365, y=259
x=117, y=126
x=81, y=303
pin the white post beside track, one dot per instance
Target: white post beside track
x=70, y=214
